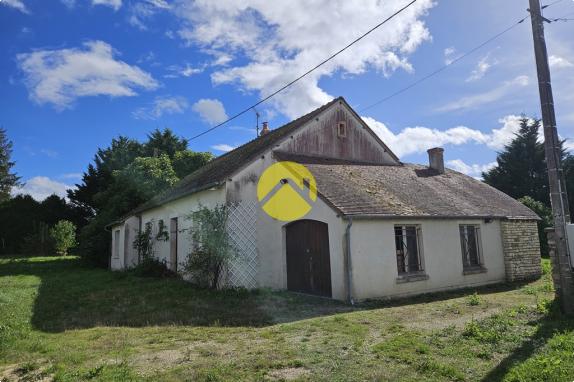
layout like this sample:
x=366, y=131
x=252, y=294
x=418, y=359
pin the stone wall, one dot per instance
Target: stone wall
x=521, y=249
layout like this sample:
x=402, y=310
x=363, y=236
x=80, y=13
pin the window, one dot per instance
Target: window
x=407, y=242
x=470, y=245
x=342, y=129
x=116, y=250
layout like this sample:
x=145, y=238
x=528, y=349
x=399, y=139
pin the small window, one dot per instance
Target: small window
x=470, y=245
x=408, y=246
x=342, y=129
x=116, y=251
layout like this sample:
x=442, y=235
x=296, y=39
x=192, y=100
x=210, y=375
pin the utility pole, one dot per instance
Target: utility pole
x=558, y=195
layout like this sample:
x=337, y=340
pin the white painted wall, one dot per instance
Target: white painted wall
x=127, y=256
x=375, y=267
x=180, y=208
x=271, y=232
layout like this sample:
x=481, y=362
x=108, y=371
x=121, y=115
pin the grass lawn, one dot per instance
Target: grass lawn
x=61, y=321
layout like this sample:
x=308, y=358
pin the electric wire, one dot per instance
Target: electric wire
x=306, y=73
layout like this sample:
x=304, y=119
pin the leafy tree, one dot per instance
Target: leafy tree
x=99, y=176
x=63, y=235
x=212, y=248
x=19, y=218
x=163, y=142
x=8, y=179
x=147, y=176
x=185, y=162
x=123, y=176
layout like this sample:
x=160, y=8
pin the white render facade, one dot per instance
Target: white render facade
x=360, y=250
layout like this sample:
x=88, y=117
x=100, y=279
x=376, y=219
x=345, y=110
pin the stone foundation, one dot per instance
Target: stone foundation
x=521, y=249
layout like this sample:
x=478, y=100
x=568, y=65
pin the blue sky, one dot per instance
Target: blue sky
x=75, y=74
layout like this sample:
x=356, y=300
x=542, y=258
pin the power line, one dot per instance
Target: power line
x=442, y=68
x=306, y=73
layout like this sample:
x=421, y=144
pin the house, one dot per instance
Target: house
x=377, y=228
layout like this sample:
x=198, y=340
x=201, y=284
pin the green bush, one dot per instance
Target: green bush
x=63, y=235
x=212, y=249
x=152, y=267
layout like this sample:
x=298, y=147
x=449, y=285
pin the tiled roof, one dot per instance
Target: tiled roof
x=411, y=191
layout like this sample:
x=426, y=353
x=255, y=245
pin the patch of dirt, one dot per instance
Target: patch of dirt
x=25, y=373
x=287, y=374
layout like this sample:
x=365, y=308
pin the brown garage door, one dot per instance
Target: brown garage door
x=308, y=261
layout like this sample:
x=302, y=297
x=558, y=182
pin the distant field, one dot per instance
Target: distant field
x=60, y=321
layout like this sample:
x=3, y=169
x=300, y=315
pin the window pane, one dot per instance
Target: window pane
x=469, y=245
x=412, y=249
x=400, y=249
x=472, y=246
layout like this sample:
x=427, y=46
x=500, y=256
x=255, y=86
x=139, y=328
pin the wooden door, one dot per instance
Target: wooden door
x=173, y=244
x=308, y=260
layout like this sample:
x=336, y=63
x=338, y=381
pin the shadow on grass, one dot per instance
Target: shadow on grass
x=547, y=327
x=71, y=296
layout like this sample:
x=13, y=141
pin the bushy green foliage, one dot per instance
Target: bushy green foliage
x=123, y=176
x=63, y=235
x=186, y=162
x=473, y=299
x=143, y=242
x=212, y=248
x=146, y=176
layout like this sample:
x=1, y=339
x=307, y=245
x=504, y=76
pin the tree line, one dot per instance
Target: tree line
x=122, y=176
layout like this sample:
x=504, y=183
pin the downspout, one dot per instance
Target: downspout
x=349, y=262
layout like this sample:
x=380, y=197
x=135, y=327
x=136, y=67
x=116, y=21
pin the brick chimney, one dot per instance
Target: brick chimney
x=436, y=159
x=265, y=129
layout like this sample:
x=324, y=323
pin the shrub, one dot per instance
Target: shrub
x=63, y=234
x=143, y=242
x=152, y=267
x=211, y=249
x=473, y=299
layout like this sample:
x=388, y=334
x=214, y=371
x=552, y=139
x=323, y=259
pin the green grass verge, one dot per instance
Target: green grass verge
x=62, y=321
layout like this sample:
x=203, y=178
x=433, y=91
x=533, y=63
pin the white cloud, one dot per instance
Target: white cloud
x=210, y=110
x=283, y=39
x=16, y=4
x=569, y=145
x=183, y=71
x=161, y=106
x=61, y=76
x=115, y=4
x=557, y=62
x=418, y=139
x=474, y=170
x=223, y=147
x=450, y=55
x=140, y=12
x=40, y=187
x=473, y=101
x=483, y=65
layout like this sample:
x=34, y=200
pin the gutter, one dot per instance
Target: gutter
x=348, y=262
x=421, y=217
